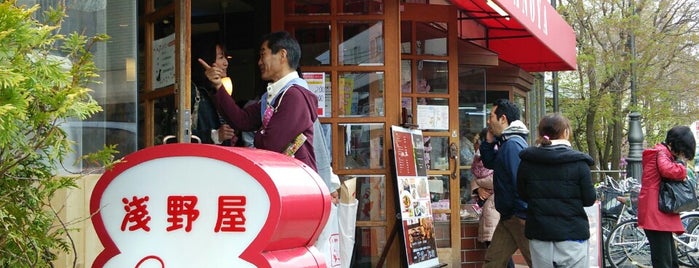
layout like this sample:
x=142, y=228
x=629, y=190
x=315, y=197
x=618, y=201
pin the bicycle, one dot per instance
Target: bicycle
x=618, y=200
x=627, y=243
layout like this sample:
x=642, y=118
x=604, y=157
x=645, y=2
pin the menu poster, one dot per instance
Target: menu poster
x=414, y=198
x=404, y=153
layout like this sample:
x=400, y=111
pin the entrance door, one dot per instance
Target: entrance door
x=164, y=95
x=429, y=86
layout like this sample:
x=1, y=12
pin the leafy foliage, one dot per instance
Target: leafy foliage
x=666, y=35
x=43, y=79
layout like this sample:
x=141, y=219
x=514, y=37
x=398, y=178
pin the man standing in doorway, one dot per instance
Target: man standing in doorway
x=284, y=116
x=506, y=137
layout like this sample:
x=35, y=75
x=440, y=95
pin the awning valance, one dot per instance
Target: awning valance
x=527, y=33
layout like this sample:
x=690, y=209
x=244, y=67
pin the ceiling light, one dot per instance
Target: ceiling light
x=498, y=9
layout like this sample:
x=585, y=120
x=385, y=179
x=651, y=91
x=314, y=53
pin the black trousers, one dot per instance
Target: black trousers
x=663, y=251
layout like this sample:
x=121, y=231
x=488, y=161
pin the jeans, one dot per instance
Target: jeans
x=507, y=238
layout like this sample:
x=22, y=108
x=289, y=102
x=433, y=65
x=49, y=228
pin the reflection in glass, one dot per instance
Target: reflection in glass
x=361, y=94
x=115, y=88
x=362, y=43
x=436, y=153
x=521, y=101
x=314, y=38
x=406, y=36
x=433, y=76
x=307, y=7
x=369, y=243
x=361, y=7
x=441, y=209
x=431, y=38
x=363, y=145
x=371, y=197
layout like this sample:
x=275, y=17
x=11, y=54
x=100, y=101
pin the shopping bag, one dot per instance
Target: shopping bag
x=328, y=242
x=348, y=220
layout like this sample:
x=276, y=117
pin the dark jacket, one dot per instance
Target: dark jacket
x=295, y=114
x=504, y=162
x=207, y=118
x=556, y=183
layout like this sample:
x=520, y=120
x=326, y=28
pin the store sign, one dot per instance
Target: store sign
x=414, y=198
x=196, y=205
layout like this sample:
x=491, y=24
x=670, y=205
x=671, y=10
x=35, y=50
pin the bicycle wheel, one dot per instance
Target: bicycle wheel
x=627, y=246
x=608, y=223
x=688, y=243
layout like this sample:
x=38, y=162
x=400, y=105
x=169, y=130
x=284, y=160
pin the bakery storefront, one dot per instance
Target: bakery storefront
x=435, y=64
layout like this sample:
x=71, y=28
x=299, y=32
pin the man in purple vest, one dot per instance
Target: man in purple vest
x=285, y=114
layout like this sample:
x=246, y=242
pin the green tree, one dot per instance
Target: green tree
x=666, y=36
x=43, y=83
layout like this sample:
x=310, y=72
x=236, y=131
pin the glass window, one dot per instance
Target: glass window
x=362, y=43
x=432, y=76
x=441, y=209
x=406, y=36
x=371, y=197
x=431, y=38
x=361, y=94
x=115, y=89
x=437, y=153
x=307, y=7
x=324, y=94
x=361, y=6
x=521, y=101
x=363, y=146
x=314, y=38
x=369, y=245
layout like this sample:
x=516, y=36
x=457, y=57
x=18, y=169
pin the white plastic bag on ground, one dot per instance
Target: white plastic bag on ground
x=329, y=240
x=347, y=222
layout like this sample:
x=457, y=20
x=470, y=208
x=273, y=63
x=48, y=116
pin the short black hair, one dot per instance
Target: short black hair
x=204, y=47
x=508, y=108
x=283, y=40
x=681, y=141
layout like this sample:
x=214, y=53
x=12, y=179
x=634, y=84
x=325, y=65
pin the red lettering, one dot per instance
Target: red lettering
x=180, y=208
x=136, y=214
x=230, y=214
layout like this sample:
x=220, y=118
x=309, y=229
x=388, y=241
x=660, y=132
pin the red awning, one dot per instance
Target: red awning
x=535, y=37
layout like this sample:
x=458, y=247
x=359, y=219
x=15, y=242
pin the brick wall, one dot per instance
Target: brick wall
x=473, y=252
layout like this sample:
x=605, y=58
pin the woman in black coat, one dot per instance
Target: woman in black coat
x=555, y=180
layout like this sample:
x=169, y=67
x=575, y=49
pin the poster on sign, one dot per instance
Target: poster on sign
x=199, y=205
x=414, y=198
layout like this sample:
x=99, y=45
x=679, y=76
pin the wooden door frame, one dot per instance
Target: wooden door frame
x=447, y=14
x=181, y=10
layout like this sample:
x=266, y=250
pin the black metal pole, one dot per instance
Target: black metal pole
x=633, y=169
x=554, y=79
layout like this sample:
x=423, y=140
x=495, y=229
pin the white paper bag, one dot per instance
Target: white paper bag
x=329, y=240
x=347, y=223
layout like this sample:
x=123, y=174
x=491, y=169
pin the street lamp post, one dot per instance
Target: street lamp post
x=634, y=168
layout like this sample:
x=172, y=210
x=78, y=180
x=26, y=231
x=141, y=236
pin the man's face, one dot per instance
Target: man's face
x=271, y=65
x=495, y=124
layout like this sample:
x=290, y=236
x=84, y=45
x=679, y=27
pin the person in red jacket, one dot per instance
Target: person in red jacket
x=665, y=160
x=284, y=116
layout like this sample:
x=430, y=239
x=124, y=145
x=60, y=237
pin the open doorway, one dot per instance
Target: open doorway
x=239, y=23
